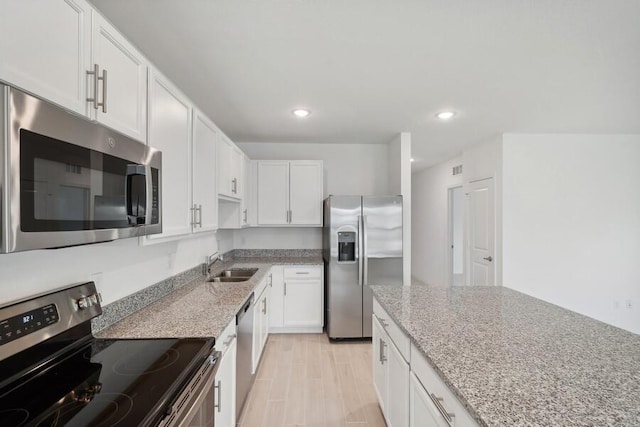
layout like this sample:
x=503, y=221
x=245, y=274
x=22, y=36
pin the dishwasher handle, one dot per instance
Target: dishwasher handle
x=247, y=305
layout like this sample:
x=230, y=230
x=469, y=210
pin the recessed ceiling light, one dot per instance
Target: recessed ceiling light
x=445, y=115
x=302, y=113
x=412, y=159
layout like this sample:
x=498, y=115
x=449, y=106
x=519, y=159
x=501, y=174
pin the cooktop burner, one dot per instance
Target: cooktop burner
x=105, y=383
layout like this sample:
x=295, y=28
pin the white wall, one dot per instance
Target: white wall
x=429, y=221
x=400, y=183
x=278, y=238
x=571, y=209
x=126, y=267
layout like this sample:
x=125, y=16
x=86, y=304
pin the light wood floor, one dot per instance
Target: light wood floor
x=304, y=380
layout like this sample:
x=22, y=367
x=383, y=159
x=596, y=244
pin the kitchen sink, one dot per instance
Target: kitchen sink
x=227, y=279
x=234, y=275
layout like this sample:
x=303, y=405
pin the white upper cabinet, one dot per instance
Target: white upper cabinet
x=122, y=81
x=290, y=192
x=273, y=192
x=305, y=192
x=230, y=159
x=57, y=59
x=170, y=132
x=205, y=199
x=60, y=33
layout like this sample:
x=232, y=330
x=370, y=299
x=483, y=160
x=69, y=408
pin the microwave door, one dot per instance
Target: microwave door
x=136, y=194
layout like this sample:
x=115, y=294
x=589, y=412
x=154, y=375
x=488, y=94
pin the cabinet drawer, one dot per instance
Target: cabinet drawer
x=226, y=337
x=438, y=390
x=303, y=272
x=395, y=333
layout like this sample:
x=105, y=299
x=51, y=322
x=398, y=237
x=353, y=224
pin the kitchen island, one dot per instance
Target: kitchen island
x=514, y=360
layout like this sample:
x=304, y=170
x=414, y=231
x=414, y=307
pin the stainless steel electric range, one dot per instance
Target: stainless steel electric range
x=53, y=372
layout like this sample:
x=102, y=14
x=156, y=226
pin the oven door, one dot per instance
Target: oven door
x=195, y=405
x=75, y=182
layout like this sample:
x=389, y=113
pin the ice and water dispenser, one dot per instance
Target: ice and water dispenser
x=346, y=246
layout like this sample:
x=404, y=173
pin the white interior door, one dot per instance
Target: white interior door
x=481, y=233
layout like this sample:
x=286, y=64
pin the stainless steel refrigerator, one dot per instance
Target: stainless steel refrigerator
x=362, y=245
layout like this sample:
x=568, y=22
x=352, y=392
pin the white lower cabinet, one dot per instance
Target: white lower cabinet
x=424, y=412
x=409, y=391
x=391, y=377
x=224, y=402
x=297, y=299
x=260, y=321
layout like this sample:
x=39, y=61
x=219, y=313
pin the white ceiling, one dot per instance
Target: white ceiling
x=368, y=69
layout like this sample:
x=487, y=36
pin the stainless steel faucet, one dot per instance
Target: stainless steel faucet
x=210, y=261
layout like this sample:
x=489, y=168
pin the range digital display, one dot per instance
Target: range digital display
x=23, y=324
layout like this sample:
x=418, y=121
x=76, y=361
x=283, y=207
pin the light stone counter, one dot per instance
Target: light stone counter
x=514, y=360
x=199, y=308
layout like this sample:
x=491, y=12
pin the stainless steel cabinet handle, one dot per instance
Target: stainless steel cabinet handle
x=290, y=216
x=193, y=216
x=383, y=323
x=488, y=258
x=227, y=342
x=264, y=306
x=219, y=388
x=245, y=216
x=383, y=358
x=302, y=272
x=438, y=402
x=234, y=185
x=285, y=288
x=94, y=73
x=271, y=280
x=199, y=212
x=104, y=91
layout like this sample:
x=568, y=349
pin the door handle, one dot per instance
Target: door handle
x=365, y=266
x=360, y=252
x=488, y=258
x=382, y=356
x=219, y=388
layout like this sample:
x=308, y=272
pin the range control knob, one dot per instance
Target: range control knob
x=83, y=303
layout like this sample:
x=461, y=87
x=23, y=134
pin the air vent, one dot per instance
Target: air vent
x=457, y=170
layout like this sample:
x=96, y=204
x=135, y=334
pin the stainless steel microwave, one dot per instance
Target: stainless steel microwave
x=66, y=181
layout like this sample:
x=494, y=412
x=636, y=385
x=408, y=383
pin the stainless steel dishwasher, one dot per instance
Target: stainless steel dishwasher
x=244, y=371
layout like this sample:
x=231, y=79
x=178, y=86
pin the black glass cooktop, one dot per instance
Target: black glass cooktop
x=105, y=383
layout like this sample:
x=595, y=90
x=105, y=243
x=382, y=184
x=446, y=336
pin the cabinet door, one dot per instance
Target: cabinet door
x=125, y=90
x=60, y=32
x=237, y=172
x=225, y=388
x=302, y=303
x=205, y=197
x=224, y=166
x=380, y=343
x=276, y=319
x=264, y=325
x=397, y=405
x=248, y=193
x=273, y=192
x=306, y=192
x=423, y=413
x=170, y=132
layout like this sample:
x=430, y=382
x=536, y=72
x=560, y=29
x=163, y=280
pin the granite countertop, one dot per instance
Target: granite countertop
x=199, y=308
x=514, y=360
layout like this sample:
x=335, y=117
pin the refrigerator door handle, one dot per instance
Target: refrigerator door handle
x=359, y=253
x=365, y=261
